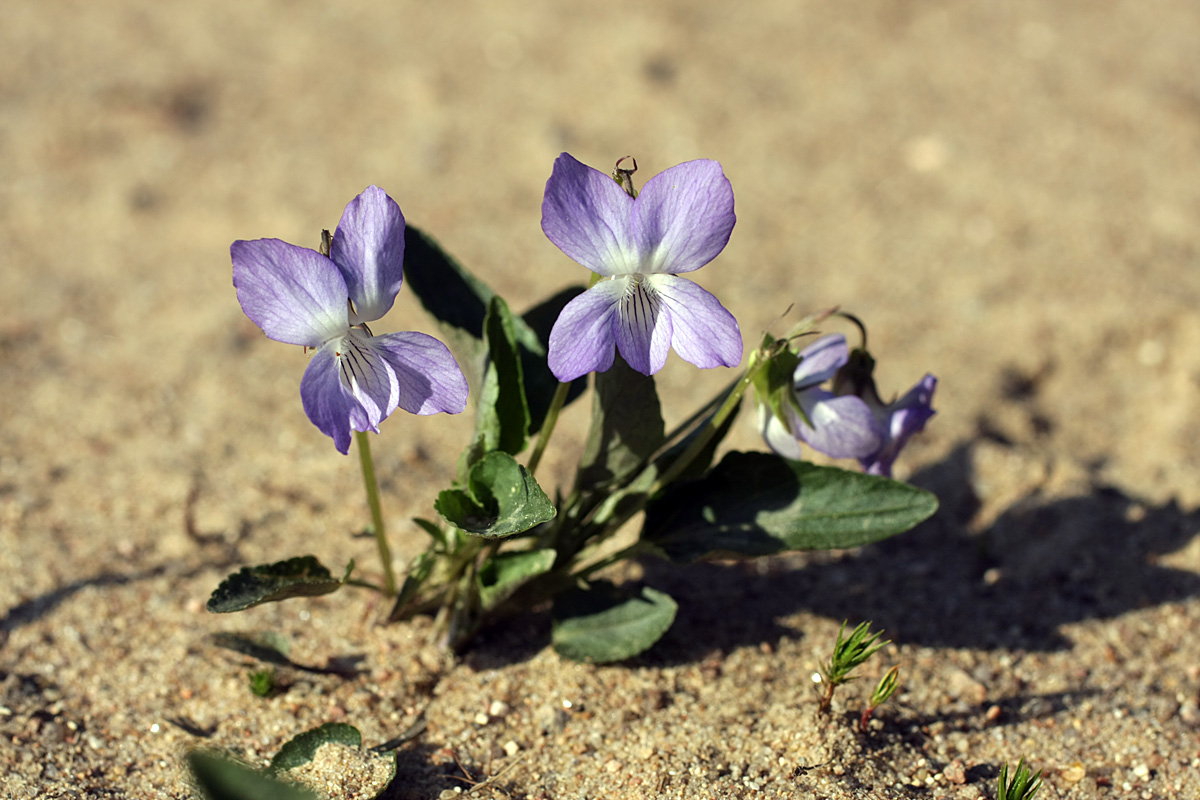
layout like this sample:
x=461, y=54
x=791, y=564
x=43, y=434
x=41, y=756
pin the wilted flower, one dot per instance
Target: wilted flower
x=849, y=421
x=897, y=420
x=299, y=296
x=678, y=223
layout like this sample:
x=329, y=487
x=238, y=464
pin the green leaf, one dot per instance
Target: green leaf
x=448, y=291
x=633, y=494
x=627, y=426
x=502, y=415
x=775, y=383
x=302, y=576
x=220, y=778
x=756, y=504
x=605, y=623
x=502, y=499
x=300, y=750
x=418, y=573
x=703, y=459
x=435, y=532
x=504, y=573
x=262, y=682
x=459, y=302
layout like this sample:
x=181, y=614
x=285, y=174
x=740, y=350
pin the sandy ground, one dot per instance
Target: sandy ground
x=1008, y=192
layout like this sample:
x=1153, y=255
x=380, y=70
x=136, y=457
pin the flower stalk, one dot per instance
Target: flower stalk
x=556, y=405
x=372, y=487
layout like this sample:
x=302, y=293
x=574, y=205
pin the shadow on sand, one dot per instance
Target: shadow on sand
x=1011, y=586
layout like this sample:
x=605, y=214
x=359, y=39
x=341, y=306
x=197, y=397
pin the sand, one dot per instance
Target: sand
x=1008, y=193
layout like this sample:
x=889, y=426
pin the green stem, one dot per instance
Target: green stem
x=705, y=436
x=364, y=584
x=372, y=487
x=627, y=552
x=699, y=413
x=560, y=398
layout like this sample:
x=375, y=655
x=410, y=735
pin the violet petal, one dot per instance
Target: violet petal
x=842, y=427
x=776, y=435
x=587, y=216
x=368, y=247
x=294, y=294
x=643, y=328
x=683, y=217
x=905, y=417
x=703, y=332
x=820, y=360
x=326, y=403
x=583, y=338
x=428, y=378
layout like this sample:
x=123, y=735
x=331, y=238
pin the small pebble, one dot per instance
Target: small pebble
x=956, y=772
x=1073, y=773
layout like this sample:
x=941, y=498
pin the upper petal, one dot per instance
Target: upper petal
x=842, y=427
x=368, y=247
x=683, y=217
x=294, y=294
x=583, y=338
x=820, y=360
x=587, y=216
x=428, y=377
x=703, y=332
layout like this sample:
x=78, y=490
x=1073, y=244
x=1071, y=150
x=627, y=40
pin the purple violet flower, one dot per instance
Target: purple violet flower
x=299, y=296
x=638, y=246
x=850, y=421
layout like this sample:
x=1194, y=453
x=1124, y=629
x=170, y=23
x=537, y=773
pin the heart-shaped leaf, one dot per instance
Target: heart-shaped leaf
x=502, y=499
x=504, y=573
x=300, y=750
x=605, y=623
x=302, y=576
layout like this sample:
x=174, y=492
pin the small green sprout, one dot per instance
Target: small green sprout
x=849, y=653
x=262, y=682
x=1024, y=784
x=883, y=690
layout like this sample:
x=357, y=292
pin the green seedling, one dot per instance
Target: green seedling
x=262, y=682
x=1024, y=784
x=849, y=653
x=883, y=690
